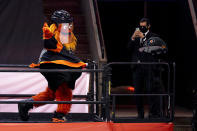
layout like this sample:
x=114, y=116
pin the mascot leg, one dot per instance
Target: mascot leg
x=63, y=93
x=47, y=95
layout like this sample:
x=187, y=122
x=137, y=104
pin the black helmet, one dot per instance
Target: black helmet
x=61, y=16
x=155, y=41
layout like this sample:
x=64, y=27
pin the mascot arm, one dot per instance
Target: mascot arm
x=50, y=43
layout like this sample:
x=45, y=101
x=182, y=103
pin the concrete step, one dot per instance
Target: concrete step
x=183, y=128
x=183, y=123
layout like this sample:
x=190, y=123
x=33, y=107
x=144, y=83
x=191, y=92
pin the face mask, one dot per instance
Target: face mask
x=65, y=30
x=143, y=29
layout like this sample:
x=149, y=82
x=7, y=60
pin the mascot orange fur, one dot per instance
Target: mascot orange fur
x=58, y=53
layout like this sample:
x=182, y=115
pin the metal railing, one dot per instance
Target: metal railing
x=170, y=94
x=104, y=113
x=90, y=98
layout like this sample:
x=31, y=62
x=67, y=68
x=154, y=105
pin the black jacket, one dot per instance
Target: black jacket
x=56, y=53
x=136, y=55
x=56, y=56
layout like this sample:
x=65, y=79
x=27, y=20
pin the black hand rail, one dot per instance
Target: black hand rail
x=140, y=94
x=51, y=70
x=10, y=96
x=53, y=102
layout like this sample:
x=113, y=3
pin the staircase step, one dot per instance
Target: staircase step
x=72, y=6
x=80, y=30
x=72, y=11
x=62, y=3
x=182, y=128
x=183, y=124
x=82, y=51
x=79, y=19
x=183, y=120
x=84, y=57
x=82, y=39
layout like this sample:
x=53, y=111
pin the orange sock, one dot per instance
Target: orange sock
x=47, y=95
x=63, y=93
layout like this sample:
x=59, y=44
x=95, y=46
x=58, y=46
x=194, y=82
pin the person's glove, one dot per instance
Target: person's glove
x=47, y=34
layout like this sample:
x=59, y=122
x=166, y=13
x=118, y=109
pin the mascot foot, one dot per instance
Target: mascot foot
x=59, y=117
x=24, y=108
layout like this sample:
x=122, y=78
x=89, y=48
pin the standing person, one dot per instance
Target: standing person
x=58, y=53
x=146, y=46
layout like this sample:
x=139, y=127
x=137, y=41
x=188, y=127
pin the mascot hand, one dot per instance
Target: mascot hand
x=47, y=34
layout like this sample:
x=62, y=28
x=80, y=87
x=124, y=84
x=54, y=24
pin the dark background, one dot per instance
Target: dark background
x=21, y=24
x=170, y=19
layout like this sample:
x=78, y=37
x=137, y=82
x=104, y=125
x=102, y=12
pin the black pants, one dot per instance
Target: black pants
x=146, y=79
x=55, y=79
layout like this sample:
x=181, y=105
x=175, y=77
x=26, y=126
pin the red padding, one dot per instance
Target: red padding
x=142, y=126
x=89, y=126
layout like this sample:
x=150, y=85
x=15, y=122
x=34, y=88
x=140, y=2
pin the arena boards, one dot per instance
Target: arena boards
x=86, y=126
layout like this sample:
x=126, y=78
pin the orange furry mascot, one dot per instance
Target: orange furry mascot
x=59, y=44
